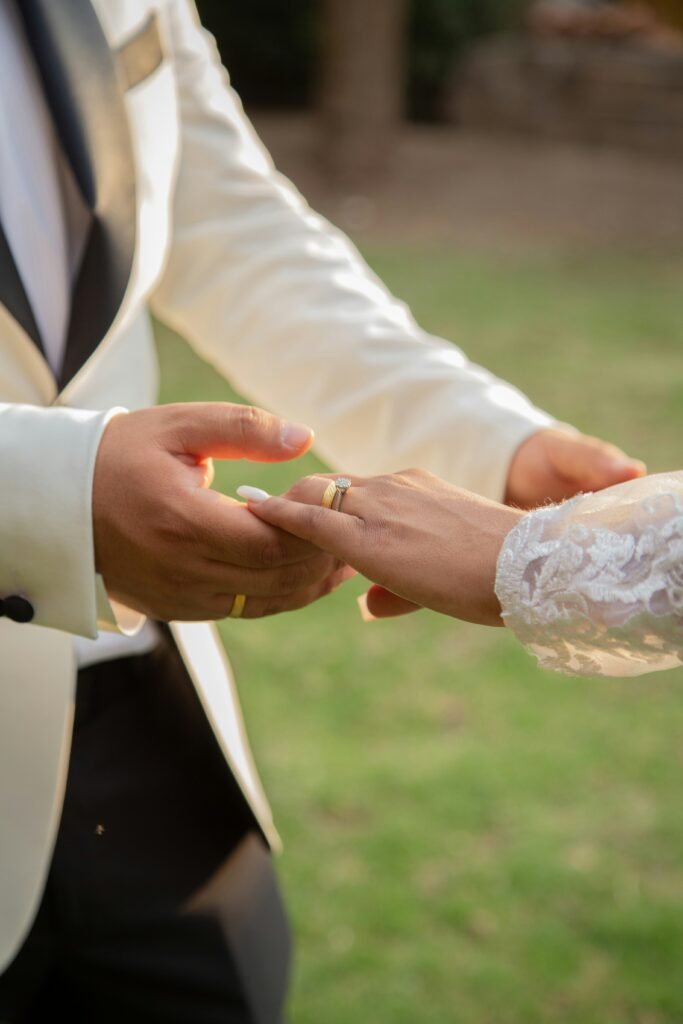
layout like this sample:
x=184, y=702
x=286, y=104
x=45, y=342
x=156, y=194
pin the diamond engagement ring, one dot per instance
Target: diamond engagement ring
x=334, y=493
x=341, y=486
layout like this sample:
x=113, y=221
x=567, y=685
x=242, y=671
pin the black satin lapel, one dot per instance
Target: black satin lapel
x=83, y=91
x=13, y=294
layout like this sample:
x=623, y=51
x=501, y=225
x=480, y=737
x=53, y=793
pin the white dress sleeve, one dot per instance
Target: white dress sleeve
x=595, y=586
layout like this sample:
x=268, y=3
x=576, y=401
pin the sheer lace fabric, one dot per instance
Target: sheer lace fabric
x=595, y=586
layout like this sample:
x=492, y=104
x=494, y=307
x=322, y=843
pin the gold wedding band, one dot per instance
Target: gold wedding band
x=237, y=610
x=334, y=493
x=329, y=495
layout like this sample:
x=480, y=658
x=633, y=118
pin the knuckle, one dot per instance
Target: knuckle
x=170, y=417
x=415, y=473
x=175, y=578
x=289, y=579
x=376, y=532
x=248, y=420
x=312, y=516
x=270, y=553
x=310, y=572
x=174, y=425
x=303, y=489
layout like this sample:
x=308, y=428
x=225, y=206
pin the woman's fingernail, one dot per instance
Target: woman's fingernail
x=296, y=435
x=252, y=493
x=365, y=613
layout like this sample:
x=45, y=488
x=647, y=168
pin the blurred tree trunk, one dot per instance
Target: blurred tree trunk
x=361, y=87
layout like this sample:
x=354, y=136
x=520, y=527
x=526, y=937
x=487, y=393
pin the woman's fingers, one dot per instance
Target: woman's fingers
x=331, y=531
x=302, y=514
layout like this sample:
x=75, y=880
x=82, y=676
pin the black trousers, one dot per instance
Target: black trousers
x=161, y=903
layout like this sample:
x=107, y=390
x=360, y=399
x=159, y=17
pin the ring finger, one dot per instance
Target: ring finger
x=312, y=489
x=263, y=607
x=277, y=582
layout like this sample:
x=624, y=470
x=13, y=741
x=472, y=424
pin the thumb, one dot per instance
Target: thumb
x=227, y=431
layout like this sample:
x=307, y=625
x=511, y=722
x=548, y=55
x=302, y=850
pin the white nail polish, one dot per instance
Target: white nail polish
x=252, y=493
x=365, y=613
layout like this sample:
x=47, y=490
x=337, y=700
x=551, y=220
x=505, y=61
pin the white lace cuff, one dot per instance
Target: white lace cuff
x=595, y=586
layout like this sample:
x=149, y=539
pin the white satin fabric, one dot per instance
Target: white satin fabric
x=595, y=586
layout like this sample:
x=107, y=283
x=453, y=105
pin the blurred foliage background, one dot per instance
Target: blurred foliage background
x=272, y=48
x=468, y=839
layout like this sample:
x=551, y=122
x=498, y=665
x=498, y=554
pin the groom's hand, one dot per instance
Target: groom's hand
x=169, y=546
x=552, y=465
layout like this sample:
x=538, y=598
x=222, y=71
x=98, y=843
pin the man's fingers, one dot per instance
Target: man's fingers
x=227, y=431
x=595, y=464
x=278, y=582
x=225, y=531
x=259, y=607
x=553, y=465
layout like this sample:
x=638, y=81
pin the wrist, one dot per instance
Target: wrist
x=507, y=518
x=105, y=484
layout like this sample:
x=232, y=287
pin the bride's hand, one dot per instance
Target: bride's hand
x=432, y=544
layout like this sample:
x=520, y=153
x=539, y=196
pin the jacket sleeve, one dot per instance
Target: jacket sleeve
x=282, y=304
x=47, y=460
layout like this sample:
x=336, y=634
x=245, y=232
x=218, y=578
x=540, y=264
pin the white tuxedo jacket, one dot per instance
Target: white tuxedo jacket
x=191, y=220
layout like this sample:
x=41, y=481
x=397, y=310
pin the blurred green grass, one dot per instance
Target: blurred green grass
x=468, y=839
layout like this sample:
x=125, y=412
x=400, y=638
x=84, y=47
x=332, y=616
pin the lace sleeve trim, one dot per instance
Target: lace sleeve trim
x=590, y=598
